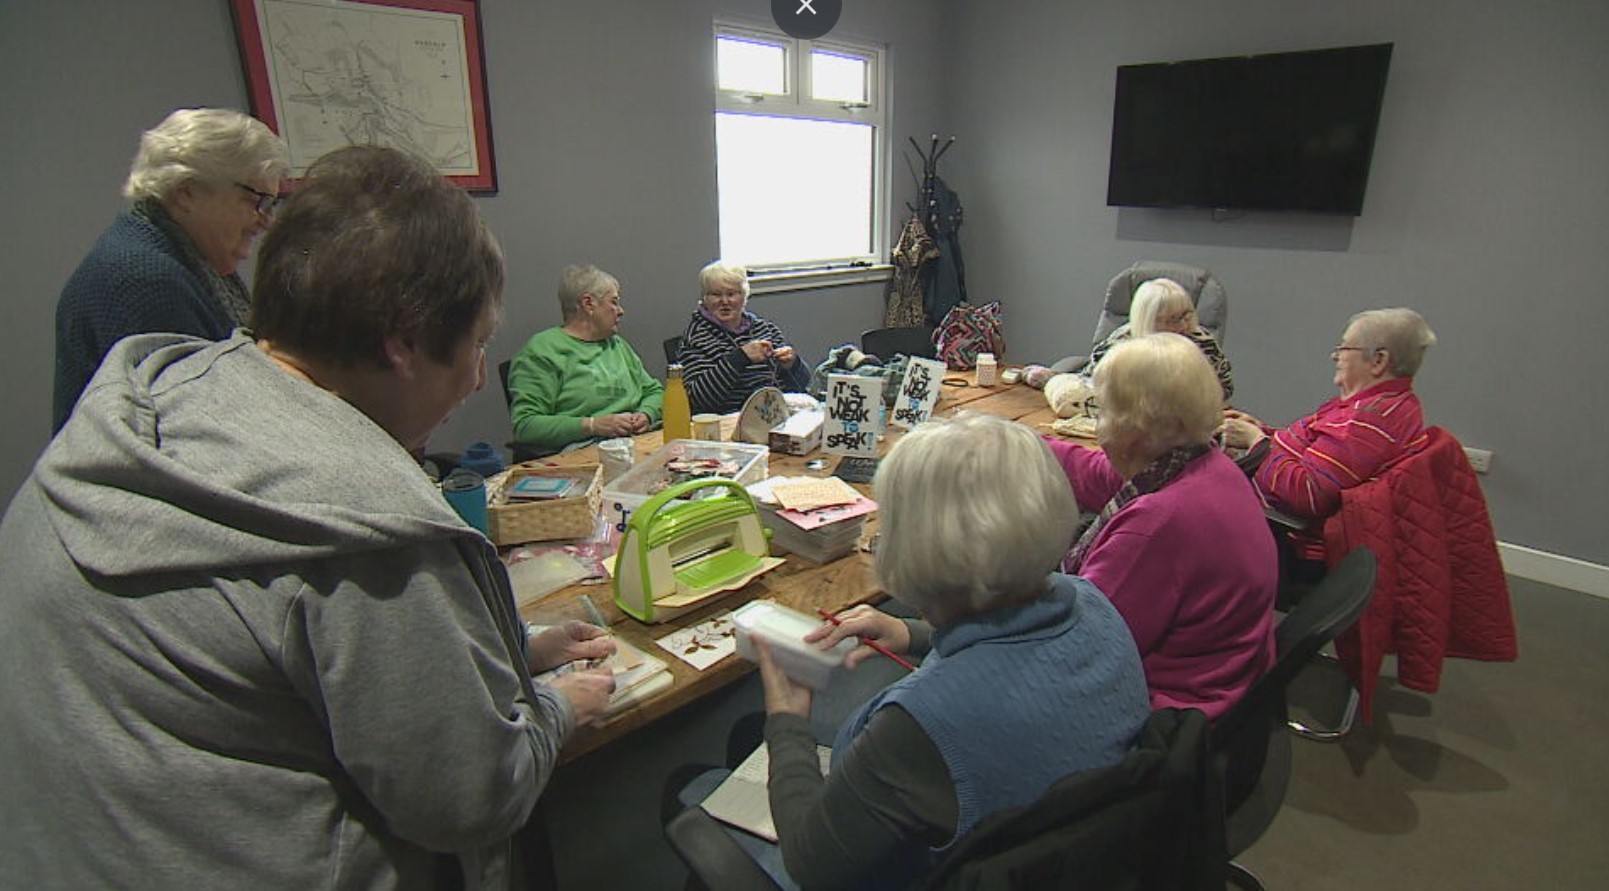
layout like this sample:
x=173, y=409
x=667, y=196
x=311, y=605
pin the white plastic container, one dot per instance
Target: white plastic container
x=783, y=629
x=986, y=369
x=649, y=475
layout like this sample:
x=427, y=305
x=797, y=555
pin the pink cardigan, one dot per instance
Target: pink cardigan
x=1193, y=570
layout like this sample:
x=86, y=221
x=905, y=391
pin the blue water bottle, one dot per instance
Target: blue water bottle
x=465, y=490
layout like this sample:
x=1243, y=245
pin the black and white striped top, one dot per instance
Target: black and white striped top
x=719, y=377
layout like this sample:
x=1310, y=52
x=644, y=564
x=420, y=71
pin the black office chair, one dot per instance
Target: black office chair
x=519, y=451
x=673, y=349
x=1151, y=821
x=885, y=342
x=1251, y=750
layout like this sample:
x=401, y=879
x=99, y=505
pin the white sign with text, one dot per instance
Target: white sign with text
x=854, y=416
x=918, y=394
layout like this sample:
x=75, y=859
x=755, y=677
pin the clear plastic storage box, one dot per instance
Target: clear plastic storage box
x=742, y=462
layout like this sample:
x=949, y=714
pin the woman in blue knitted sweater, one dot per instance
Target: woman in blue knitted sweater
x=1027, y=675
x=203, y=186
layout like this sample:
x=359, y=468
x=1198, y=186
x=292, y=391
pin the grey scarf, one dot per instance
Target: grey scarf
x=228, y=290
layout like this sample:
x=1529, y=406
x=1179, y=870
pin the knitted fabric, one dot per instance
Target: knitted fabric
x=134, y=280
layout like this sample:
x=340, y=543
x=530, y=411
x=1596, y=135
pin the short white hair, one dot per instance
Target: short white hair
x=1401, y=332
x=583, y=278
x=1156, y=393
x=210, y=145
x=975, y=513
x=721, y=272
x=1153, y=300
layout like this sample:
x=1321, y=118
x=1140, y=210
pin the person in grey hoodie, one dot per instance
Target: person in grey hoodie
x=244, y=642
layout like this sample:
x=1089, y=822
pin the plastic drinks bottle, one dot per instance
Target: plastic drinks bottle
x=678, y=415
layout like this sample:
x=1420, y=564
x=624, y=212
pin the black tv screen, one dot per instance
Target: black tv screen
x=1282, y=131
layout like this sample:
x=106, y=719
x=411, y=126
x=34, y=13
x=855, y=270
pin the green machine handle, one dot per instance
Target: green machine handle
x=658, y=521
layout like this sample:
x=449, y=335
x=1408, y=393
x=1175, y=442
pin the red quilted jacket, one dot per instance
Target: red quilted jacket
x=1440, y=590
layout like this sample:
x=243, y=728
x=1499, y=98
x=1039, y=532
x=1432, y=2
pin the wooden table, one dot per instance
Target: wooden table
x=796, y=583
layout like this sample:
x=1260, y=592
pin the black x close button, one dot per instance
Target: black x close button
x=806, y=19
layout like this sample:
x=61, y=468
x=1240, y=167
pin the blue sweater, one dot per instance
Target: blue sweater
x=1018, y=698
x=135, y=280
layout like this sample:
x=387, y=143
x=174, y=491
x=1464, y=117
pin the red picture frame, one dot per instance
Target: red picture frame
x=473, y=166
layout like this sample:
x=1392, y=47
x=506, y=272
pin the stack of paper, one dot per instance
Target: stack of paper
x=818, y=519
x=637, y=675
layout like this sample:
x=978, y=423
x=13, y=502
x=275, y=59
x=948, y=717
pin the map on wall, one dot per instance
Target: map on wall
x=370, y=72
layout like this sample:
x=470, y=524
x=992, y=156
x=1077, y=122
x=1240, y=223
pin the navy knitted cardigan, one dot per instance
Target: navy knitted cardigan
x=134, y=280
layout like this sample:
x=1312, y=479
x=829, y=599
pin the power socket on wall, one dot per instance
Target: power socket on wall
x=1479, y=459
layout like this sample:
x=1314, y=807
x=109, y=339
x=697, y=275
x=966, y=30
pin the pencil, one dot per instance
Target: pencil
x=870, y=643
x=594, y=612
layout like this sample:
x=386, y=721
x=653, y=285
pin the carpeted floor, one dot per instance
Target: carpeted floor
x=1498, y=781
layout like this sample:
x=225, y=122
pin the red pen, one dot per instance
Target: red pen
x=870, y=643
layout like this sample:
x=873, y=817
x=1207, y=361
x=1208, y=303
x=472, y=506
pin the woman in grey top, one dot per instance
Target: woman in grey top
x=247, y=643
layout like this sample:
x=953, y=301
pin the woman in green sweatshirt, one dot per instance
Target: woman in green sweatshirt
x=581, y=380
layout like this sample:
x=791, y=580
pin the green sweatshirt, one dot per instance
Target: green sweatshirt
x=557, y=379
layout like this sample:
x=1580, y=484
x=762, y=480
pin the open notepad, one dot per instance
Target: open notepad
x=741, y=799
x=637, y=675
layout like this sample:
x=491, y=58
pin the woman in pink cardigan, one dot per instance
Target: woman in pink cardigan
x=1178, y=540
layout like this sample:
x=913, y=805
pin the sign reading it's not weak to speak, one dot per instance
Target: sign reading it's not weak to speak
x=918, y=394
x=853, y=415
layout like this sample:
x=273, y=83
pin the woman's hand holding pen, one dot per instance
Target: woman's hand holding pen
x=866, y=625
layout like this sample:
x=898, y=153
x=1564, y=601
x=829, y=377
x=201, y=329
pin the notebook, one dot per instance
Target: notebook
x=741, y=799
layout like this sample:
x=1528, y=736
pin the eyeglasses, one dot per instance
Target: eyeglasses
x=724, y=295
x=1336, y=352
x=266, y=204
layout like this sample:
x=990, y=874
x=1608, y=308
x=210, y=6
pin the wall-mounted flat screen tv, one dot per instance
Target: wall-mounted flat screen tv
x=1282, y=131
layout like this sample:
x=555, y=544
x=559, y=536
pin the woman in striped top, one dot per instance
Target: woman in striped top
x=728, y=352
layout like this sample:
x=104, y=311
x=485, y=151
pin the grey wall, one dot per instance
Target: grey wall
x=1485, y=210
x=602, y=119
x=1485, y=204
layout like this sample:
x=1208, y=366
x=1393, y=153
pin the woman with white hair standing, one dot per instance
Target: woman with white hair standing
x=1178, y=542
x=1162, y=304
x=1028, y=675
x=203, y=186
x=728, y=352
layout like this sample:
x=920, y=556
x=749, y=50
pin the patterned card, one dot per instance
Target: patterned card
x=704, y=644
x=810, y=493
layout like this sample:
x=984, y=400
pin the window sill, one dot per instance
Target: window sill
x=781, y=281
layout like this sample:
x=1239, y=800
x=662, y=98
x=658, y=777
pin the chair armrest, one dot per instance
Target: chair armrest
x=712, y=856
x=1285, y=520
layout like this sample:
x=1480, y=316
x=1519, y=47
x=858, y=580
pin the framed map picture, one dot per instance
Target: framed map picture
x=408, y=74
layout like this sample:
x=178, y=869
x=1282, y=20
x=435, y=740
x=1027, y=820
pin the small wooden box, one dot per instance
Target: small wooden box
x=575, y=516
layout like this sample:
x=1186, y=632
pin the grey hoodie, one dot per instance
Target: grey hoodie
x=245, y=643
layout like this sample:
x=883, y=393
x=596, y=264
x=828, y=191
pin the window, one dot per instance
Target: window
x=800, y=151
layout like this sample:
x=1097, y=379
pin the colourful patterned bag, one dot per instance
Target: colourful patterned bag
x=968, y=330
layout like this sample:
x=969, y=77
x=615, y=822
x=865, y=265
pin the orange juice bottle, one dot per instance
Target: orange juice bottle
x=678, y=415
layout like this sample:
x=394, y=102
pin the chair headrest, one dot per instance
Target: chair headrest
x=1212, y=302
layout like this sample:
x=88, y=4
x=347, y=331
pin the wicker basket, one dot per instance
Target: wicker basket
x=522, y=521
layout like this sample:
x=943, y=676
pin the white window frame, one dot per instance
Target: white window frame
x=796, y=102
